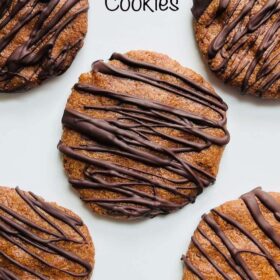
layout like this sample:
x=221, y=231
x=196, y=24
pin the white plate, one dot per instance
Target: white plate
x=30, y=130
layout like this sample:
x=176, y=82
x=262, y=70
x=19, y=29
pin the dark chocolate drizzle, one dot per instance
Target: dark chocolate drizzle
x=199, y=6
x=239, y=36
x=233, y=257
x=7, y=275
x=36, y=51
x=129, y=136
x=23, y=233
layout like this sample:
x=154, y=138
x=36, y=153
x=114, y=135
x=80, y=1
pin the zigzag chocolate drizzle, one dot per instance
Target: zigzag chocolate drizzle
x=233, y=256
x=37, y=49
x=23, y=233
x=238, y=37
x=129, y=136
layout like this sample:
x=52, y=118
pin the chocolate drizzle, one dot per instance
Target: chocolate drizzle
x=7, y=275
x=129, y=136
x=232, y=255
x=24, y=235
x=199, y=6
x=37, y=50
x=239, y=36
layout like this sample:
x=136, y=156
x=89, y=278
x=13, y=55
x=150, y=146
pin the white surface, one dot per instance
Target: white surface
x=30, y=130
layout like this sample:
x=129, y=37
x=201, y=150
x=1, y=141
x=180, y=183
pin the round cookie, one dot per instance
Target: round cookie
x=143, y=136
x=38, y=40
x=240, y=39
x=237, y=240
x=41, y=240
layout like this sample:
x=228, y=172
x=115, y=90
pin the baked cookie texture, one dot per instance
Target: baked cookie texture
x=240, y=39
x=41, y=240
x=143, y=136
x=38, y=40
x=237, y=240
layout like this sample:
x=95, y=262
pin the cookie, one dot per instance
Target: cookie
x=41, y=240
x=237, y=240
x=143, y=136
x=240, y=39
x=38, y=40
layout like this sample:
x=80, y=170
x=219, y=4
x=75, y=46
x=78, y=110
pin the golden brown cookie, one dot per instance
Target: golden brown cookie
x=143, y=136
x=41, y=240
x=38, y=40
x=237, y=240
x=240, y=39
